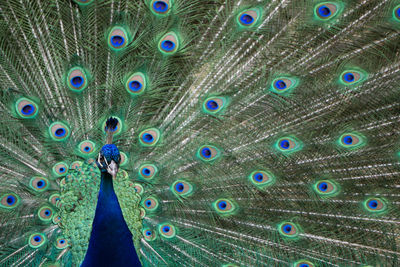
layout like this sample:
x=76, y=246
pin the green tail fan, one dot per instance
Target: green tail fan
x=199, y=133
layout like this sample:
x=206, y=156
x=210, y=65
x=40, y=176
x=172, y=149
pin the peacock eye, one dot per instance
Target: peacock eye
x=86, y=148
x=77, y=79
x=284, y=85
x=61, y=243
x=214, y=105
x=149, y=235
x=326, y=11
x=169, y=43
x=60, y=169
x=288, y=229
x=149, y=137
x=262, y=179
x=39, y=184
x=26, y=109
x=351, y=140
x=181, y=188
x=249, y=17
x=136, y=84
x=208, y=153
x=9, y=201
x=150, y=203
x=288, y=144
x=118, y=38
x=224, y=206
x=59, y=131
x=375, y=204
x=45, y=214
x=167, y=230
x=396, y=13
x=303, y=263
x=161, y=7
x=37, y=240
x=352, y=77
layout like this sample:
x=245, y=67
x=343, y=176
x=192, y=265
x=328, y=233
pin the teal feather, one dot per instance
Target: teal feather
x=251, y=133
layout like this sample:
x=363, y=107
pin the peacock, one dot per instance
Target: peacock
x=200, y=133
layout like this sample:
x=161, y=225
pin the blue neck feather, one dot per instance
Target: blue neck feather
x=111, y=241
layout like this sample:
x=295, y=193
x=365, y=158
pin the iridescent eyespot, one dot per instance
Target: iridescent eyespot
x=288, y=229
x=118, y=38
x=45, y=214
x=59, y=131
x=124, y=159
x=150, y=204
x=56, y=219
x=37, y=240
x=284, y=85
x=86, y=148
x=147, y=171
x=54, y=198
x=326, y=188
x=9, y=201
x=351, y=77
x=138, y=188
x=77, y=79
x=76, y=165
x=249, y=17
x=169, y=43
x=60, y=169
x=149, y=137
x=208, y=153
x=83, y=2
x=117, y=130
x=142, y=213
x=166, y=230
x=136, y=84
x=181, y=188
x=160, y=7
x=214, y=105
x=375, y=204
x=39, y=184
x=224, y=206
x=288, y=144
x=396, y=13
x=351, y=140
x=26, y=108
x=61, y=243
x=326, y=10
x=148, y=234
x=303, y=263
x=262, y=179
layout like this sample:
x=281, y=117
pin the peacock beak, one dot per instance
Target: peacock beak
x=112, y=168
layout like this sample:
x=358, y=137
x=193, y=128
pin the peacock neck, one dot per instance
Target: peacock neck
x=111, y=241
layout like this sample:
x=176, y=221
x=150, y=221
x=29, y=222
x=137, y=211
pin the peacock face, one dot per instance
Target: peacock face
x=109, y=159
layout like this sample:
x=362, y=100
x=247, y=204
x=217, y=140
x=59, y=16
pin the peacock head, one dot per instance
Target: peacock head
x=109, y=159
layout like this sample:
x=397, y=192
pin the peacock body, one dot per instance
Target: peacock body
x=200, y=133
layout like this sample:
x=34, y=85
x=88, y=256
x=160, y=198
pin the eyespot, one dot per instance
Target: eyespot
x=142, y=213
x=396, y=13
x=375, y=204
x=86, y=148
x=214, y=105
x=37, y=240
x=351, y=77
x=124, y=159
x=262, y=179
x=303, y=263
x=283, y=85
x=61, y=243
x=45, y=214
x=181, y=188
x=166, y=230
x=26, y=109
x=118, y=38
x=149, y=234
x=9, y=201
x=60, y=169
x=117, y=130
x=288, y=229
x=169, y=43
x=288, y=145
x=249, y=17
x=54, y=198
x=59, y=131
x=325, y=188
x=224, y=206
x=83, y=2
x=149, y=137
x=326, y=10
x=77, y=79
x=39, y=184
x=56, y=219
x=138, y=188
x=136, y=84
x=160, y=7
x=148, y=171
x=208, y=153
x=351, y=140
x=76, y=165
x=150, y=204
